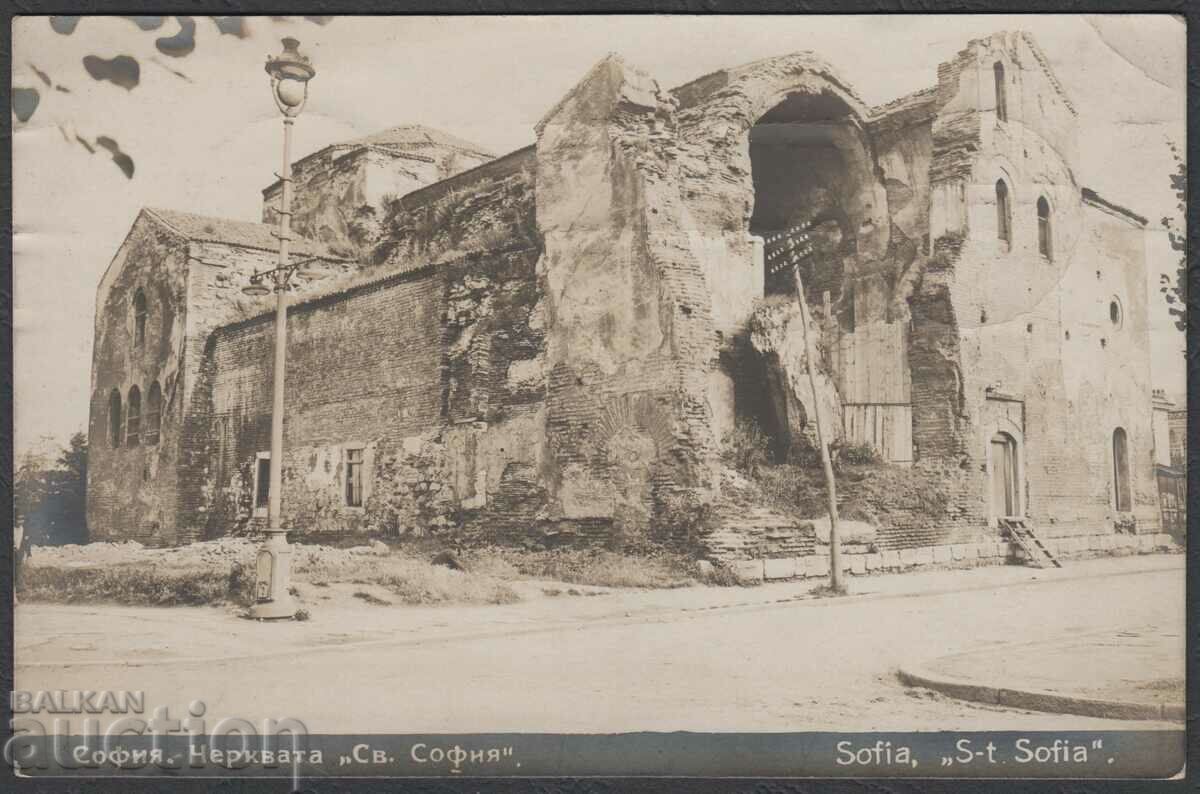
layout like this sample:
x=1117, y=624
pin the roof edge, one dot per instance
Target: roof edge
x=1090, y=196
x=326, y=254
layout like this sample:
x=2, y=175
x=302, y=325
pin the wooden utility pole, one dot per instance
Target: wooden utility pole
x=835, y=544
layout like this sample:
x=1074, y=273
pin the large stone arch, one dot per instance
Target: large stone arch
x=777, y=153
x=717, y=112
x=795, y=110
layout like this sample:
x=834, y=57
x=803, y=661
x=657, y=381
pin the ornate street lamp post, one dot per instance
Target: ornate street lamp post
x=290, y=73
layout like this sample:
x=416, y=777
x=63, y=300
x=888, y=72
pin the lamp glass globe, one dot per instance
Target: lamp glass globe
x=290, y=92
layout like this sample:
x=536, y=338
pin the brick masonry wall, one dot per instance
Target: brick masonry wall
x=630, y=337
x=434, y=373
x=487, y=208
x=216, y=275
x=363, y=368
x=132, y=489
x=341, y=192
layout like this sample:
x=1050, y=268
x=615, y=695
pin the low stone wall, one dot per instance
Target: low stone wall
x=957, y=555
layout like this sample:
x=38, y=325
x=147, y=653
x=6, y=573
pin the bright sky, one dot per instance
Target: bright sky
x=210, y=140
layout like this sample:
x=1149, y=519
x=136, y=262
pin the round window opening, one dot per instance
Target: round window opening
x=1114, y=312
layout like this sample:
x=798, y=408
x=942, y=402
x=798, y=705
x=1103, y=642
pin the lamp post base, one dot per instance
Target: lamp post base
x=277, y=609
x=271, y=588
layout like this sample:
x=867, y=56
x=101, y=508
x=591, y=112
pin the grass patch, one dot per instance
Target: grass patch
x=827, y=591
x=370, y=599
x=724, y=576
x=655, y=568
x=418, y=582
x=132, y=584
x=220, y=573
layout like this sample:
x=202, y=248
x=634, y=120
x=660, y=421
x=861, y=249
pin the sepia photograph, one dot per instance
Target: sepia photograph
x=658, y=395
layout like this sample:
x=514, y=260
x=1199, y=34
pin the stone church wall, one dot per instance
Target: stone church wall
x=997, y=345
x=132, y=489
x=427, y=372
x=552, y=344
x=630, y=339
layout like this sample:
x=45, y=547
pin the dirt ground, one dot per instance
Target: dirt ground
x=221, y=572
x=1139, y=664
x=697, y=658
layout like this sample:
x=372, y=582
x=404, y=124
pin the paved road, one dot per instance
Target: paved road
x=801, y=665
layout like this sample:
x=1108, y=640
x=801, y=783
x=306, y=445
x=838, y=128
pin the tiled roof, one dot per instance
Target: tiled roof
x=412, y=137
x=239, y=233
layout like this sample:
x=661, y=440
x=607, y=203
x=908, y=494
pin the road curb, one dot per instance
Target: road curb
x=1038, y=699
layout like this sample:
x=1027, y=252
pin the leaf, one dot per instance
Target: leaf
x=121, y=70
x=25, y=102
x=147, y=23
x=182, y=43
x=175, y=72
x=231, y=26
x=123, y=161
x=64, y=25
x=45, y=78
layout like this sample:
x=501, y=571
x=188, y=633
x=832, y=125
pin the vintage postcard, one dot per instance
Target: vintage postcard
x=678, y=396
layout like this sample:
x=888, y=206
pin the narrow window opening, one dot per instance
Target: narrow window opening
x=262, y=483
x=139, y=318
x=1045, y=236
x=114, y=418
x=1001, y=99
x=1121, y=470
x=354, y=477
x=153, y=414
x=133, y=418
x=1003, y=214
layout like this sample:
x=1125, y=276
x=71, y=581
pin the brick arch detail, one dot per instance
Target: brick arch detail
x=639, y=412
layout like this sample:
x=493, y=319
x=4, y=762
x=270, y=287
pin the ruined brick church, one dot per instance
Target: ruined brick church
x=553, y=344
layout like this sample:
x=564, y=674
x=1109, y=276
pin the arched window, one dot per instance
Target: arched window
x=1001, y=99
x=153, y=413
x=1045, y=231
x=133, y=417
x=1121, y=470
x=114, y=418
x=139, y=318
x=1115, y=314
x=1003, y=213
